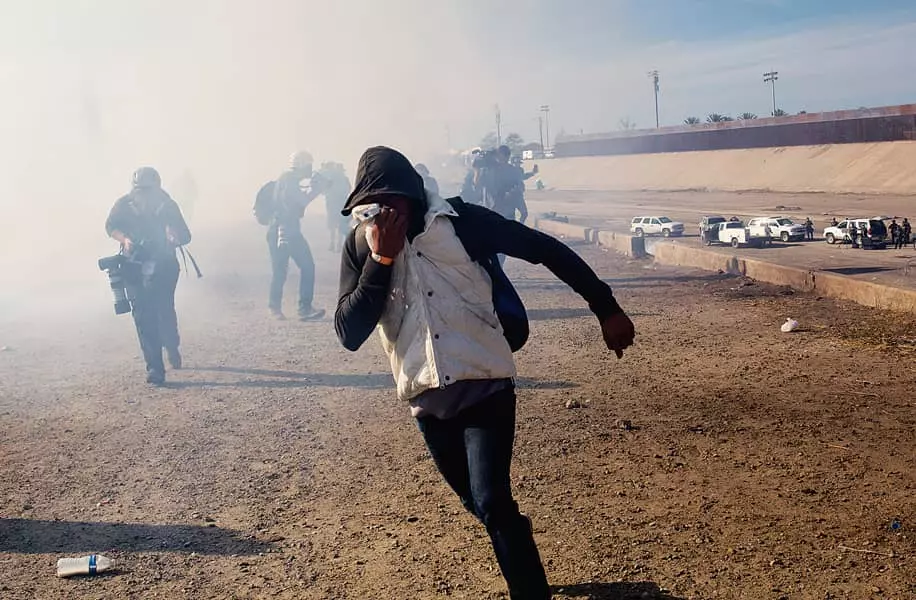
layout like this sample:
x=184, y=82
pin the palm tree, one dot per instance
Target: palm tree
x=779, y=113
x=715, y=118
x=626, y=124
x=692, y=121
x=747, y=116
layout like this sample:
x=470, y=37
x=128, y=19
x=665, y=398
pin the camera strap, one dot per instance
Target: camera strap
x=185, y=255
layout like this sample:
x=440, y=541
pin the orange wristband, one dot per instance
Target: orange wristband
x=382, y=260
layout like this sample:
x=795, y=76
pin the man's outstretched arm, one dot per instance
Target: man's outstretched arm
x=363, y=292
x=503, y=236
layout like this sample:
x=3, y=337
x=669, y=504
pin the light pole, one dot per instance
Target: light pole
x=654, y=76
x=541, y=130
x=499, y=120
x=545, y=108
x=771, y=78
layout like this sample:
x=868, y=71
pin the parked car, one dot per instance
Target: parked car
x=875, y=231
x=779, y=228
x=735, y=234
x=643, y=226
x=709, y=226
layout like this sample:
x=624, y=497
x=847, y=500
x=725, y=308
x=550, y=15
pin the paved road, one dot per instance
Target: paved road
x=613, y=211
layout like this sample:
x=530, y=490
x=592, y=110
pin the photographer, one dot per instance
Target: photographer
x=149, y=226
x=281, y=205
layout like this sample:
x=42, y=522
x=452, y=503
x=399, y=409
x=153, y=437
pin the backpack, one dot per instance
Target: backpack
x=510, y=310
x=265, y=203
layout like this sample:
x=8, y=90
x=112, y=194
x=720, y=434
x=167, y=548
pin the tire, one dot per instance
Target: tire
x=666, y=233
x=785, y=236
x=640, y=233
x=830, y=239
x=735, y=243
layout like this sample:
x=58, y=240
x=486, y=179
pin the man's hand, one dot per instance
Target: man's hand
x=618, y=333
x=387, y=233
x=127, y=245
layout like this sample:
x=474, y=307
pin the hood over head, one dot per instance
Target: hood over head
x=384, y=171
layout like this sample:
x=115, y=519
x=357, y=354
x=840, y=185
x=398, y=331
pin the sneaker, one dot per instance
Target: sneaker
x=277, y=314
x=155, y=377
x=174, y=358
x=311, y=314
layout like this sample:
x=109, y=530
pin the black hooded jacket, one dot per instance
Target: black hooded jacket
x=364, y=282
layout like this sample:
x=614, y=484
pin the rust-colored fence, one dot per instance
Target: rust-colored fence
x=886, y=124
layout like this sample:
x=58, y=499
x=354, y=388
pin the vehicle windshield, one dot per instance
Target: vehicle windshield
x=664, y=219
x=713, y=220
x=785, y=222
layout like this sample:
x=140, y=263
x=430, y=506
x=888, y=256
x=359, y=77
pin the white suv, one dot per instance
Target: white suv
x=875, y=229
x=643, y=226
x=778, y=227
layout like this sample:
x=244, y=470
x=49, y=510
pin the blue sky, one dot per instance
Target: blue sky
x=662, y=20
x=230, y=87
x=591, y=57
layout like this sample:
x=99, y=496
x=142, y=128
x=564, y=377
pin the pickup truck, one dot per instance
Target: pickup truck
x=709, y=226
x=779, y=228
x=735, y=234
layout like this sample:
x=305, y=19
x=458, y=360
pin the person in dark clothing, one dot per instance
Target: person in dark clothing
x=516, y=194
x=149, y=225
x=809, y=229
x=906, y=230
x=280, y=205
x=508, y=193
x=336, y=187
x=429, y=182
x=409, y=272
x=854, y=234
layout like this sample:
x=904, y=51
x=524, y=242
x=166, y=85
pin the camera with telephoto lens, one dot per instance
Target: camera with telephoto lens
x=123, y=271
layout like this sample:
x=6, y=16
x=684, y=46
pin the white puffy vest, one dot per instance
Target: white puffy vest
x=439, y=325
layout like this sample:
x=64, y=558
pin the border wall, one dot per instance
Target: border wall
x=867, y=125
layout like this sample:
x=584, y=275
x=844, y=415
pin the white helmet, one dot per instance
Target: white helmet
x=300, y=160
x=146, y=177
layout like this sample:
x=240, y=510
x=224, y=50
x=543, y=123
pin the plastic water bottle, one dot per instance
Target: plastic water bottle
x=86, y=565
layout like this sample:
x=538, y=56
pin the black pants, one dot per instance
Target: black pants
x=295, y=248
x=154, y=313
x=473, y=451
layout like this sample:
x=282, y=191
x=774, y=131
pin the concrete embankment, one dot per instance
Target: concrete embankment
x=877, y=168
x=675, y=254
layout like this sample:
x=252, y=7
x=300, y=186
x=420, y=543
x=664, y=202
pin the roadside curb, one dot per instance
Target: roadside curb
x=832, y=285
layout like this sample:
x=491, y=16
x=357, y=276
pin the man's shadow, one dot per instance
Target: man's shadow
x=621, y=590
x=295, y=379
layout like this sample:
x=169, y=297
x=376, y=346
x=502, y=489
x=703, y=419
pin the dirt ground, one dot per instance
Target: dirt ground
x=720, y=458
